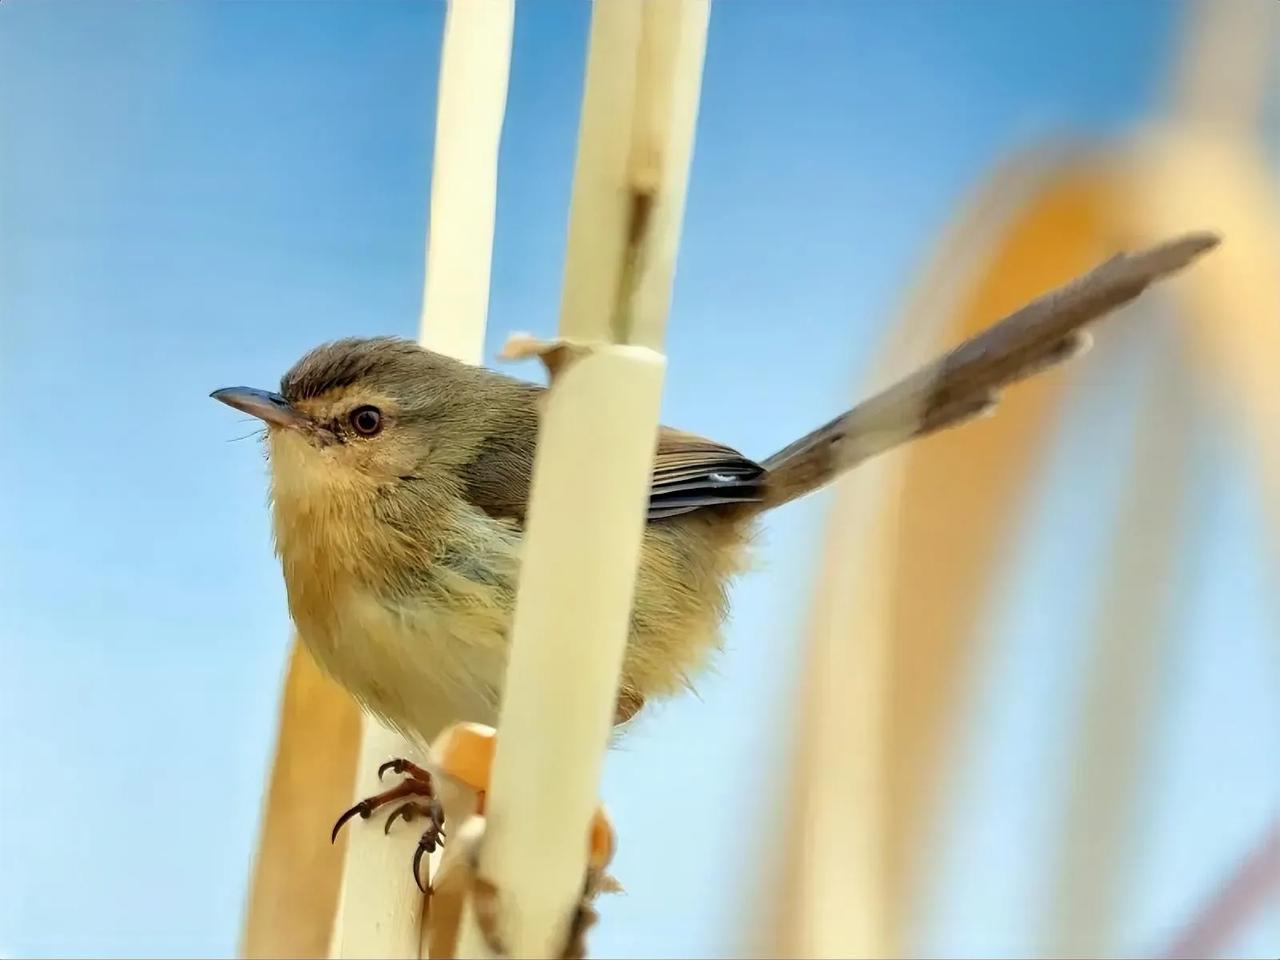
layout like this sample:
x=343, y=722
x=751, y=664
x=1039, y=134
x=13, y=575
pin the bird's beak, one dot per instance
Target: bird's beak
x=269, y=407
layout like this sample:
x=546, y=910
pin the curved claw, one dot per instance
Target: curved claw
x=360, y=808
x=408, y=811
x=395, y=766
x=417, y=866
x=431, y=838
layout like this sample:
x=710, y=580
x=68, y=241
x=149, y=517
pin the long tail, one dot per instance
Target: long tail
x=966, y=382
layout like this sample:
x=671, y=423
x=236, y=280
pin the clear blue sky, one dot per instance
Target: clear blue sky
x=192, y=195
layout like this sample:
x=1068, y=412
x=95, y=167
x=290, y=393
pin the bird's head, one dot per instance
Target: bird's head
x=363, y=418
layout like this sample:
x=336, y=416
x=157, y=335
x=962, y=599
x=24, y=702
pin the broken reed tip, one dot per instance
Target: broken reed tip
x=521, y=346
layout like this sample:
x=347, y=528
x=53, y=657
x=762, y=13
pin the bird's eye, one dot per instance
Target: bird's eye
x=366, y=421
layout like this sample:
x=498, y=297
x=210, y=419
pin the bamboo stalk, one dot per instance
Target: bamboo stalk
x=381, y=908
x=841, y=800
x=475, y=64
x=1235, y=337
x=833, y=894
x=1120, y=705
x=571, y=623
x=1231, y=301
x=840, y=765
x=584, y=529
x=837, y=784
x=632, y=168
x=961, y=494
x=293, y=895
x=1175, y=174
x=1209, y=159
x=1205, y=162
x=961, y=488
x=1224, y=74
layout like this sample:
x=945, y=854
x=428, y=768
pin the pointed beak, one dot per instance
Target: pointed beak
x=269, y=407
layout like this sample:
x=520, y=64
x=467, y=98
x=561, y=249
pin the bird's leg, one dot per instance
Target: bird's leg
x=417, y=783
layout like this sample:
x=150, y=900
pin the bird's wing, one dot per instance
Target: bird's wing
x=689, y=473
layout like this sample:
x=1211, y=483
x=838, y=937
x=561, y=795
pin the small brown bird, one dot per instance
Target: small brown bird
x=399, y=480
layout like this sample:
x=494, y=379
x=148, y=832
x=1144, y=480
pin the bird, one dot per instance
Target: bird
x=399, y=481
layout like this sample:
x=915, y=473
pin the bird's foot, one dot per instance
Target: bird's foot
x=417, y=783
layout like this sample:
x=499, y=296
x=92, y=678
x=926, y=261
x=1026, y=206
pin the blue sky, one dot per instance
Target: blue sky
x=192, y=195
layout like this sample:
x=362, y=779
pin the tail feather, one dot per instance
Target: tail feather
x=966, y=382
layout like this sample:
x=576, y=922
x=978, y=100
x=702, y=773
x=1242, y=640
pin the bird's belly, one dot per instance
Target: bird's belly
x=418, y=662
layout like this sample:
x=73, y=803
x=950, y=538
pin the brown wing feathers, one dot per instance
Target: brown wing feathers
x=689, y=473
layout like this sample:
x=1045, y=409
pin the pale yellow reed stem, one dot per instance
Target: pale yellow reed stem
x=584, y=529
